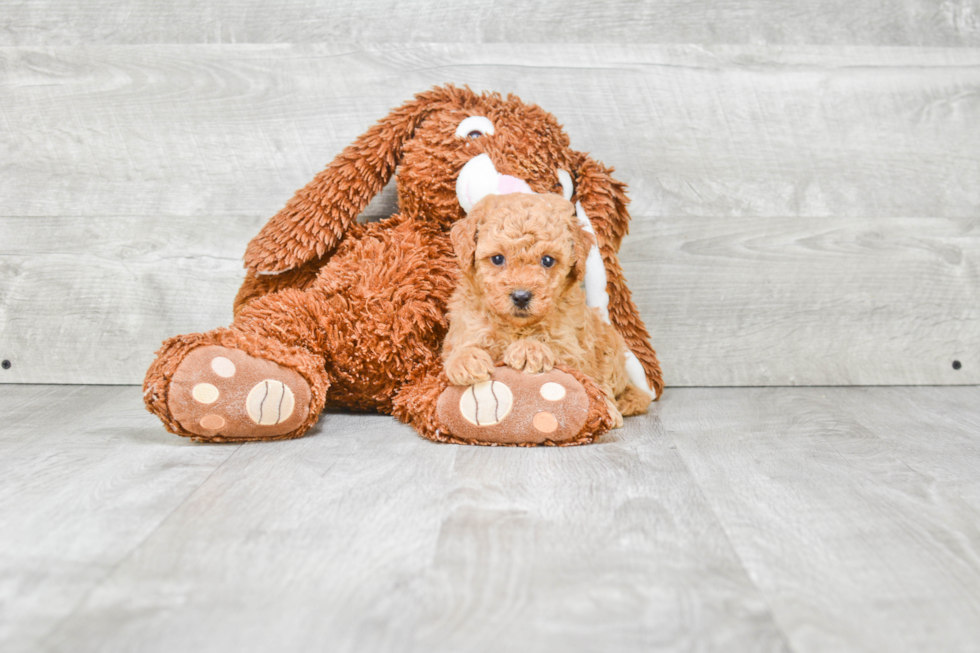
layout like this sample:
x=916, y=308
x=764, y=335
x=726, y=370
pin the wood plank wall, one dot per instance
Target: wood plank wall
x=805, y=176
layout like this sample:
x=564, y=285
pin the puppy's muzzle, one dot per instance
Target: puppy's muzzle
x=521, y=298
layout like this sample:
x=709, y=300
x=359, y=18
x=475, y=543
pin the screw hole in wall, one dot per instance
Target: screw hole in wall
x=5, y=365
x=956, y=365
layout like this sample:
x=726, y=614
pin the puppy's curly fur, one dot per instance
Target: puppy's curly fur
x=520, y=299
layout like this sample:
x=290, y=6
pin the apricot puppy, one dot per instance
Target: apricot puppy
x=520, y=299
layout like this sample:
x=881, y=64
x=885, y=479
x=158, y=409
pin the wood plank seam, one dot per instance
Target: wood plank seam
x=132, y=551
x=678, y=451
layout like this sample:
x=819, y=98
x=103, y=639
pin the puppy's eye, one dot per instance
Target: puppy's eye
x=547, y=261
x=497, y=259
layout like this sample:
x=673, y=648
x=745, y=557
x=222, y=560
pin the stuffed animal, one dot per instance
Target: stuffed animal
x=338, y=314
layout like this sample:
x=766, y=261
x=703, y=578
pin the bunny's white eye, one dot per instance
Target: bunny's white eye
x=474, y=127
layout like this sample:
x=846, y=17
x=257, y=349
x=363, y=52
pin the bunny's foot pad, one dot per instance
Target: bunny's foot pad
x=221, y=394
x=514, y=408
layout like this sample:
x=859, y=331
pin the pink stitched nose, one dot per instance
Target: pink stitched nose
x=507, y=185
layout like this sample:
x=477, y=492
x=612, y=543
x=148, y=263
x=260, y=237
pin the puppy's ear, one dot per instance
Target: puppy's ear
x=582, y=244
x=463, y=236
x=464, y=233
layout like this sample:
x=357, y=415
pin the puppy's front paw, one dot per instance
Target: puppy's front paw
x=529, y=355
x=468, y=366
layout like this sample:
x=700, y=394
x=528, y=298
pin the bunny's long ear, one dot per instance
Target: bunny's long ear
x=604, y=201
x=314, y=221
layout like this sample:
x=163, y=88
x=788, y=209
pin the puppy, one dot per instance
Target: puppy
x=520, y=299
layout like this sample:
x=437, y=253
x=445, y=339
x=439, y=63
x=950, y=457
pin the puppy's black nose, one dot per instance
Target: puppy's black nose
x=521, y=298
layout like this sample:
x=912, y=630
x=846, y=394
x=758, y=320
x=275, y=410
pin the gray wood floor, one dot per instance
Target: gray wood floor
x=755, y=519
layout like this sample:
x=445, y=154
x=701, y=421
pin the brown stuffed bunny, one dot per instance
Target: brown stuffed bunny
x=334, y=313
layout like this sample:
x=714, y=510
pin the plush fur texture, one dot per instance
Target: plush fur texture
x=520, y=299
x=360, y=310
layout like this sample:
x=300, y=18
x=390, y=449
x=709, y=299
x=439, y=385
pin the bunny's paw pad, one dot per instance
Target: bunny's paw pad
x=516, y=408
x=223, y=394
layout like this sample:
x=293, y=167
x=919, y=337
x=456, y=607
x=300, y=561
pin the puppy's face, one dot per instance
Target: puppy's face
x=521, y=253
